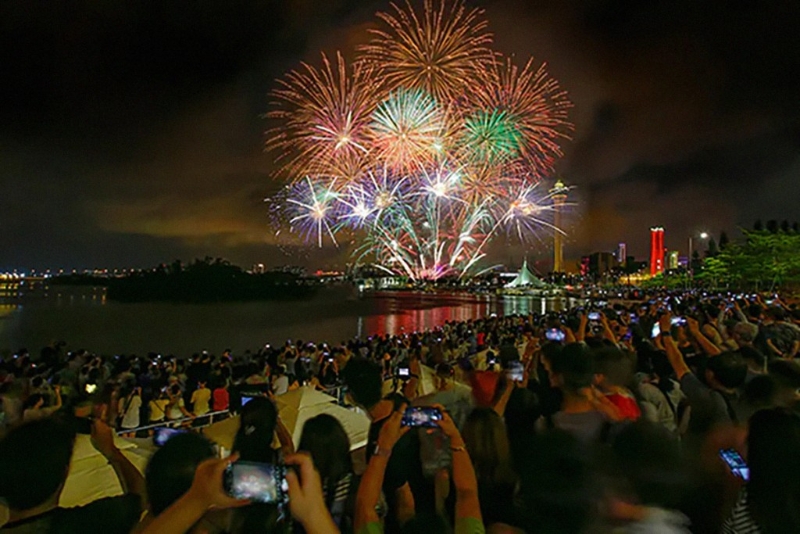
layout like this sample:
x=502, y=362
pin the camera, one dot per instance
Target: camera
x=257, y=482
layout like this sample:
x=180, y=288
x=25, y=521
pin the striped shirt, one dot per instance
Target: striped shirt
x=740, y=521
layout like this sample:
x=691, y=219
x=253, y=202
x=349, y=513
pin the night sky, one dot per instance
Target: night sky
x=131, y=132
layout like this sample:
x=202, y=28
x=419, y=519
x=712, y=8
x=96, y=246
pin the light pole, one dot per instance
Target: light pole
x=689, y=263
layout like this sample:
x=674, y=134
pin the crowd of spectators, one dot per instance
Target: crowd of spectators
x=675, y=413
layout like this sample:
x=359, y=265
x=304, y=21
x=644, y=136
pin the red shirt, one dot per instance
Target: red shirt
x=484, y=386
x=627, y=406
x=221, y=399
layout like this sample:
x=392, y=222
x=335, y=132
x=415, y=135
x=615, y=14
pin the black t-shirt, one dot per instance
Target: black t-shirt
x=112, y=515
x=404, y=466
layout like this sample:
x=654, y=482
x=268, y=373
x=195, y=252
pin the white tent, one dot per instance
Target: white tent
x=525, y=278
x=298, y=406
x=295, y=408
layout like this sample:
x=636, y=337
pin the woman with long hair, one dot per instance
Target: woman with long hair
x=253, y=442
x=486, y=440
x=326, y=441
x=770, y=501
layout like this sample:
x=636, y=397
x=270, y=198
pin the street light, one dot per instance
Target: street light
x=703, y=236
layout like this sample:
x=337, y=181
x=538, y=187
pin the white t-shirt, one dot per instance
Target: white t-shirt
x=281, y=385
x=130, y=417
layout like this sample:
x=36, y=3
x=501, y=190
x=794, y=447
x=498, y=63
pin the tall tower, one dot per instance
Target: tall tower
x=656, y=250
x=622, y=254
x=559, y=195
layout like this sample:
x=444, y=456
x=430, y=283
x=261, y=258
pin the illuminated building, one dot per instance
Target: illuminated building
x=559, y=195
x=622, y=253
x=656, y=250
x=672, y=260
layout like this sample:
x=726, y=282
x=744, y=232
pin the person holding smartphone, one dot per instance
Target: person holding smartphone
x=468, y=519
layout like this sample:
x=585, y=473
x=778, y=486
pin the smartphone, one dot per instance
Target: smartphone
x=627, y=336
x=247, y=398
x=83, y=425
x=735, y=462
x=678, y=321
x=516, y=373
x=594, y=316
x=257, y=482
x=403, y=371
x=656, y=331
x=554, y=334
x=162, y=435
x=424, y=416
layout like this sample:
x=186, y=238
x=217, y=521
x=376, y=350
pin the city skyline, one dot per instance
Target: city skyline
x=131, y=136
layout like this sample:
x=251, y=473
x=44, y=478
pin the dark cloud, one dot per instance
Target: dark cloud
x=131, y=132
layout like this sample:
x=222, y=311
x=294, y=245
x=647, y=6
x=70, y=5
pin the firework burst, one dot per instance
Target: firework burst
x=421, y=170
x=408, y=128
x=438, y=50
x=529, y=110
x=325, y=114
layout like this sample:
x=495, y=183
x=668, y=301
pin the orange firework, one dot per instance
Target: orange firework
x=439, y=51
x=325, y=115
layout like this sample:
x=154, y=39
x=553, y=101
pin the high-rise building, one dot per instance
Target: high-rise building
x=559, y=196
x=656, y=250
x=672, y=260
x=622, y=253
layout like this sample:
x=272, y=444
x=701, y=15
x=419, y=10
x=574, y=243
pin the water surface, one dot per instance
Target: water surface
x=84, y=318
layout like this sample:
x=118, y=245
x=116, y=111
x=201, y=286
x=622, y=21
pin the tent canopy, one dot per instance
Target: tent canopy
x=295, y=408
x=525, y=278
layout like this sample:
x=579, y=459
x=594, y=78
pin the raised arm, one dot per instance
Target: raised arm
x=673, y=353
x=206, y=492
x=708, y=347
x=608, y=333
x=130, y=478
x=464, y=479
x=369, y=490
x=580, y=335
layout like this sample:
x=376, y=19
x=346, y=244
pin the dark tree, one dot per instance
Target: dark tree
x=795, y=227
x=712, y=248
x=758, y=226
x=785, y=226
x=723, y=240
x=772, y=226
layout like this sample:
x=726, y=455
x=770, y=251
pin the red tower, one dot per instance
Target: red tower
x=656, y=250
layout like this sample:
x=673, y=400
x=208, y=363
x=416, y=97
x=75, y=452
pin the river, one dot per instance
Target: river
x=84, y=318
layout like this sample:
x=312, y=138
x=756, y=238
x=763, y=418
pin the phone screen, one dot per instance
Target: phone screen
x=516, y=373
x=162, y=435
x=424, y=416
x=247, y=398
x=554, y=334
x=594, y=316
x=257, y=482
x=736, y=463
x=403, y=371
x=656, y=331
